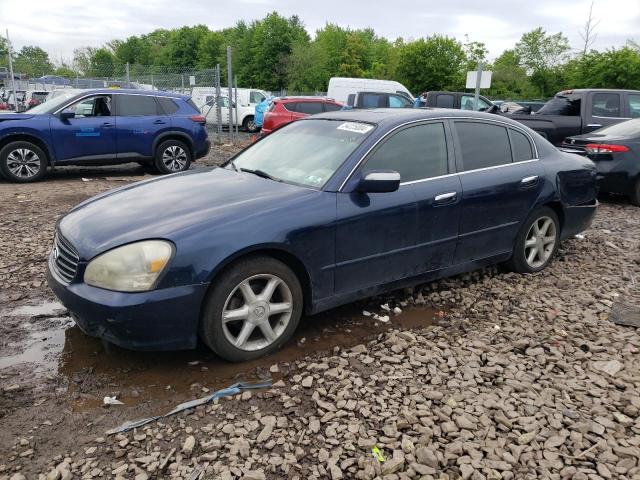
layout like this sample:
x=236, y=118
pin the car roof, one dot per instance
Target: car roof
x=396, y=116
x=153, y=93
x=302, y=98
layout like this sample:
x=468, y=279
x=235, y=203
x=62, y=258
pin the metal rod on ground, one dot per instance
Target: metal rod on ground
x=478, y=79
x=230, y=85
x=218, y=104
x=235, y=84
x=13, y=78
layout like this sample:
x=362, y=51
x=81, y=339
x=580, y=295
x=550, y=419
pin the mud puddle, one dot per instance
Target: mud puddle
x=93, y=369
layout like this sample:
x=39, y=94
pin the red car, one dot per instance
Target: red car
x=285, y=110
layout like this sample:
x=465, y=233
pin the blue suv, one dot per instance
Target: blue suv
x=100, y=127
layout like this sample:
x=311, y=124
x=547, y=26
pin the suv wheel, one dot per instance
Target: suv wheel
x=22, y=162
x=249, y=124
x=252, y=310
x=172, y=156
x=537, y=242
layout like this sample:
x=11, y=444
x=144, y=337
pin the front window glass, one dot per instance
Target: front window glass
x=397, y=101
x=99, y=106
x=634, y=106
x=305, y=152
x=468, y=103
x=256, y=97
x=606, y=105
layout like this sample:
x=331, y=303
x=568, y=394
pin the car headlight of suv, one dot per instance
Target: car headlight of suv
x=131, y=268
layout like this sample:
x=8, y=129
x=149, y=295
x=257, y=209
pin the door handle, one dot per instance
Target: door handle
x=107, y=124
x=444, y=198
x=594, y=125
x=529, y=181
x=159, y=122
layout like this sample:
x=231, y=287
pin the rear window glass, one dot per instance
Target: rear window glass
x=520, y=146
x=291, y=106
x=168, y=105
x=444, y=101
x=332, y=107
x=483, y=145
x=136, y=105
x=310, y=108
x=606, y=105
x=374, y=100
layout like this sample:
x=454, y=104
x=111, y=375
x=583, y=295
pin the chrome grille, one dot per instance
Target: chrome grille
x=64, y=259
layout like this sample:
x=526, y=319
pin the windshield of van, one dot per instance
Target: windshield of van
x=306, y=152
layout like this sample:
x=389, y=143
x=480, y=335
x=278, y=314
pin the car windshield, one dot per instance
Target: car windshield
x=306, y=152
x=630, y=128
x=52, y=105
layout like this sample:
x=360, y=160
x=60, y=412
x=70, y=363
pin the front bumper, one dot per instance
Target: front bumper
x=164, y=319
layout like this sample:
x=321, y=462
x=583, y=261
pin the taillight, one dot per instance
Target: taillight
x=198, y=119
x=596, y=148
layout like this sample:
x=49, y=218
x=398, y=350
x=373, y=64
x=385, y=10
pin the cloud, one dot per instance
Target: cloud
x=61, y=26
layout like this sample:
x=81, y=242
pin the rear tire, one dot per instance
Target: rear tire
x=172, y=156
x=22, y=162
x=536, y=243
x=252, y=310
x=635, y=194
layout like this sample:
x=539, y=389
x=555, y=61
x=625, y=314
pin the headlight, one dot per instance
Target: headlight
x=130, y=268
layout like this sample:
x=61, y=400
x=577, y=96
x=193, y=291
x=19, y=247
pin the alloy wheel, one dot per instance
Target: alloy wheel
x=174, y=158
x=23, y=163
x=540, y=242
x=257, y=312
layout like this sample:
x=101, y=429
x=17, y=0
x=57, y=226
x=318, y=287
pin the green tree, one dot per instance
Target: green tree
x=210, y=49
x=184, y=46
x=432, y=63
x=542, y=56
x=32, y=61
x=509, y=80
x=101, y=63
x=4, y=52
x=614, y=68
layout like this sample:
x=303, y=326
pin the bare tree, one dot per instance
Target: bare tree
x=587, y=33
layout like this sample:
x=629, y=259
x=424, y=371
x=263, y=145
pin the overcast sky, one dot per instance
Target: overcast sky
x=60, y=26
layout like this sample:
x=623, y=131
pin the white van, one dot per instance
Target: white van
x=341, y=87
x=245, y=117
x=247, y=97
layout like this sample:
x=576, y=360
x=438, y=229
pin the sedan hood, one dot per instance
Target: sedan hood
x=170, y=207
x=15, y=116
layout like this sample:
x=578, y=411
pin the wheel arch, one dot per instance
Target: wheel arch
x=173, y=135
x=27, y=137
x=274, y=251
x=556, y=206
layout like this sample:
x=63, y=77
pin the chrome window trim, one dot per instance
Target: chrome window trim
x=108, y=93
x=422, y=120
x=618, y=118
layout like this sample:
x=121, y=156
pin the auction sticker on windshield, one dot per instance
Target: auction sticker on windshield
x=355, y=127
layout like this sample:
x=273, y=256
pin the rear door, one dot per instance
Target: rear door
x=501, y=181
x=604, y=108
x=633, y=105
x=90, y=135
x=139, y=121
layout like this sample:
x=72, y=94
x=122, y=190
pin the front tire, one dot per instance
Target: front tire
x=249, y=124
x=172, y=156
x=22, y=162
x=252, y=310
x=536, y=243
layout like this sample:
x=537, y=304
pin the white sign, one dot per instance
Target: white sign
x=192, y=80
x=485, y=80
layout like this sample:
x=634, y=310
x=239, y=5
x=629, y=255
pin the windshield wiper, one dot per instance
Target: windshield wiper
x=260, y=173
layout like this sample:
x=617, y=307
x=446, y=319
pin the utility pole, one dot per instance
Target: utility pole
x=13, y=78
x=478, y=79
x=235, y=83
x=230, y=84
x=218, y=105
x=128, y=77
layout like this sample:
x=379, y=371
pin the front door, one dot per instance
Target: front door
x=501, y=181
x=90, y=134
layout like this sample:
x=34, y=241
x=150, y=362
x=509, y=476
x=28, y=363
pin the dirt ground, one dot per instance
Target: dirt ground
x=436, y=352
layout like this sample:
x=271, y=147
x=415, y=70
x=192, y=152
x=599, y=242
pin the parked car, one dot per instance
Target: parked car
x=285, y=110
x=35, y=97
x=457, y=100
x=325, y=211
x=100, y=127
x=245, y=116
x=379, y=100
x=341, y=87
x=248, y=98
x=575, y=112
x=616, y=153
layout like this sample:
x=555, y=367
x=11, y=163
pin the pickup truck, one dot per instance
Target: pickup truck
x=575, y=112
x=457, y=100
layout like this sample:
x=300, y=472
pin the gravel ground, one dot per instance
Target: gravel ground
x=523, y=377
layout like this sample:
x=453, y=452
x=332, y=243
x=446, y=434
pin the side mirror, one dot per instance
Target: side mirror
x=67, y=114
x=379, y=182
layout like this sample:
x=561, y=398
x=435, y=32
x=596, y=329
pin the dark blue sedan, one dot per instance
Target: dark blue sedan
x=324, y=211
